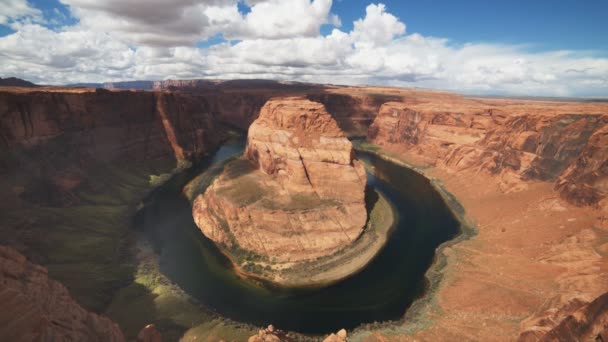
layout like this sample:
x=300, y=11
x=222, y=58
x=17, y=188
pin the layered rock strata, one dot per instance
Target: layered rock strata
x=36, y=308
x=297, y=195
x=568, y=149
x=532, y=176
x=580, y=322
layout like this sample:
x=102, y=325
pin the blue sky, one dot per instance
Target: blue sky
x=541, y=47
x=539, y=24
x=543, y=24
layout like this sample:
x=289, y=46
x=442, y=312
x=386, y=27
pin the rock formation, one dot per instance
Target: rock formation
x=340, y=336
x=299, y=193
x=109, y=125
x=270, y=334
x=567, y=148
x=580, y=322
x=36, y=308
x=532, y=176
x=149, y=334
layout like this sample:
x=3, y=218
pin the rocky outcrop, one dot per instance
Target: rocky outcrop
x=270, y=334
x=585, y=181
x=567, y=148
x=298, y=195
x=149, y=334
x=580, y=321
x=301, y=145
x=340, y=336
x=36, y=308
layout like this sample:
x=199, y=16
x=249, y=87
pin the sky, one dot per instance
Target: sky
x=536, y=48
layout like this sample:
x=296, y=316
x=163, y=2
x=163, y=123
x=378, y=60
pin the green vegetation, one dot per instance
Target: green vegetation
x=200, y=183
x=152, y=298
x=297, y=202
x=361, y=144
x=84, y=244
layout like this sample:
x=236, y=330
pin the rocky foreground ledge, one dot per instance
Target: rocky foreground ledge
x=36, y=308
x=293, y=201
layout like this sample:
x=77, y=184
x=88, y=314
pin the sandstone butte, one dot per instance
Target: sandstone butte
x=298, y=194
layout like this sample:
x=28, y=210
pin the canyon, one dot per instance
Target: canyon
x=530, y=175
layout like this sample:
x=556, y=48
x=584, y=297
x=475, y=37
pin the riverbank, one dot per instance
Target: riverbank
x=532, y=254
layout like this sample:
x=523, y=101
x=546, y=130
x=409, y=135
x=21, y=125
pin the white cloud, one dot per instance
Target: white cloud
x=186, y=22
x=18, y=10
x=376, y=51
x=274, y=19
x=378, y=27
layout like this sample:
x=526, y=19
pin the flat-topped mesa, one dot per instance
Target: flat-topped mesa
x=298, y=194
x=300, y=144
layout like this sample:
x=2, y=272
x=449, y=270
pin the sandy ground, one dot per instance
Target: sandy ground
x=533, y=253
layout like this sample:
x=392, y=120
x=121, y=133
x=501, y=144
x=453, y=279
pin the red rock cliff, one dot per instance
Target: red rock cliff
x=568, y=148
x=108, y=125
x=36, y=308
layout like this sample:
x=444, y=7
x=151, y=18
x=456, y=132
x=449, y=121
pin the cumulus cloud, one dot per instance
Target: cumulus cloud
x=284, y=19
x=377, y=27
x=18, y=10
x=160, y=44
x=185, y=22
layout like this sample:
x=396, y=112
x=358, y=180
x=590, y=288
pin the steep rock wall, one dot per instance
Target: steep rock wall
x=36, y=308
x=569, y=149
x=108, y=125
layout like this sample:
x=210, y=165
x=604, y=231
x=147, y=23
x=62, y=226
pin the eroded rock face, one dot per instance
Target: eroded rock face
x=301, y=145
x=586, y=179
x=298, y=195
x=36, y=308
x=567, y=148
x=580, y=321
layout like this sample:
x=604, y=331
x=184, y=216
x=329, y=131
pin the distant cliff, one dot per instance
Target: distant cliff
x=16, y=82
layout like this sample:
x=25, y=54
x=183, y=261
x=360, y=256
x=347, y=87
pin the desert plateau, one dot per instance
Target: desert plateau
x=306, y=170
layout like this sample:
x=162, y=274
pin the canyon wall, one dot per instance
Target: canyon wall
x=568, y=149
x=36, y=308
x=353, y=112
x=108, y=125
x=49, y=140
x=578, y=321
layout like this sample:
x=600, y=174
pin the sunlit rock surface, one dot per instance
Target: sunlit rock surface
x=297, y=195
